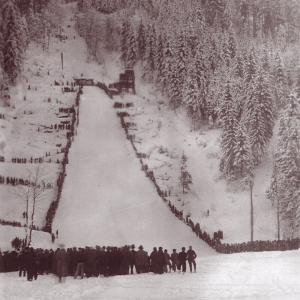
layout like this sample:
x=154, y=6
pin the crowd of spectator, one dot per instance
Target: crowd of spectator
x=95, y=261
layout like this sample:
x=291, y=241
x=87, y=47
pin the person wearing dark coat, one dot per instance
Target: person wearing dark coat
x=50, y=261
x=160, y=260
x=30, y=263
x=141, y=260
x=153, y=261
x=125, y=261
x=174, y=259
x=21, y=263
x=182, y=257
x=61, y=263
x=81, y=259
x=191, y=255
x=91, y=262
x=132, y=258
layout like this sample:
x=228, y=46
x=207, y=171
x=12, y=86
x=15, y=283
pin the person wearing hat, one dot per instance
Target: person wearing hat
x=141, y=260
x=160, y=261
x=167, y=261
x=174, y=260
x=191, y=255
x=81, y=259
x=132, y=258
x=61, y=259
x=153, y=261
x=182, y=257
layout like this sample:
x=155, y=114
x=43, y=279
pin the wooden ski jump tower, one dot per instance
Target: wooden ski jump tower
x=127, y=80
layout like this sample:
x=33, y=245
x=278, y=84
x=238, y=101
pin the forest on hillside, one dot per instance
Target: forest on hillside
x=235, y=62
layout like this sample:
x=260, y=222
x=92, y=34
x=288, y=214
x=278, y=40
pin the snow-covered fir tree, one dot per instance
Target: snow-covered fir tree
x=202, y=76
x=250, y=67
x=132, y=52
x=174, y=82
x=124, y=39
x=191, y=94
x=13, y=48
x=150, y=54
x=242, y=151
x=141, y=40
x=239, y=67
x=229, y=124
x=159, y=56
x=185, y=177
x=166, y=65
x=280, y=91
x=285, y=181
x=232, y=44
x=259, y=110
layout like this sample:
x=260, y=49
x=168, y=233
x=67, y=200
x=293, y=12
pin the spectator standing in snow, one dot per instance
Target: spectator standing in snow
x=182, y=257
x=21, y=263
x=53, y=238
x=167, y=261
x=57, y=233
x=30, y=263
x=160, y=260
x=174, y=259
x=191, y=255
x=80, y=263
x=61, y=263
x=153, y=261
x=141, y=260
x=132, y=258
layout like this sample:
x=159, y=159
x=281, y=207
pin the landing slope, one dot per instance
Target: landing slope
x=107, y=199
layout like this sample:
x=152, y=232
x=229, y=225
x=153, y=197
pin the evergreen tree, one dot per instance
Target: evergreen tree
x=181, y=56
x=124, y=39
x=12, y=50
x=150, y=51
x=200, y=19
x=259, y=109
x=239, y=67
x=265, y=60
x=174, y=85
x=132, y=48
x=202, y=76
x=166, y=65
x=242, y=151
x=250, y=67
x=286, y=174
x=227, y=115
x=185, y=177
x=191, y=94
x=279, y=74
x=159, y=56
x=280, y=91
x=141, y=40
x=232, y=44
x=226, y=53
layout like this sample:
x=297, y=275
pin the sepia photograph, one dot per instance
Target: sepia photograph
x=149, y=149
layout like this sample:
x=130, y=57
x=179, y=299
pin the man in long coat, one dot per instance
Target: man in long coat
x=141, y=260
x=61, y=263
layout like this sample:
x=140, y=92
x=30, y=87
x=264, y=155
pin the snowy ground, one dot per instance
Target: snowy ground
x=256, y=276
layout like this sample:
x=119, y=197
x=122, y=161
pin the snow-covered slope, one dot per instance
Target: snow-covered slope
x=107, y=199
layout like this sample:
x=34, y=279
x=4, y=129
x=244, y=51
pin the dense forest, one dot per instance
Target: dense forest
x=235, y=62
